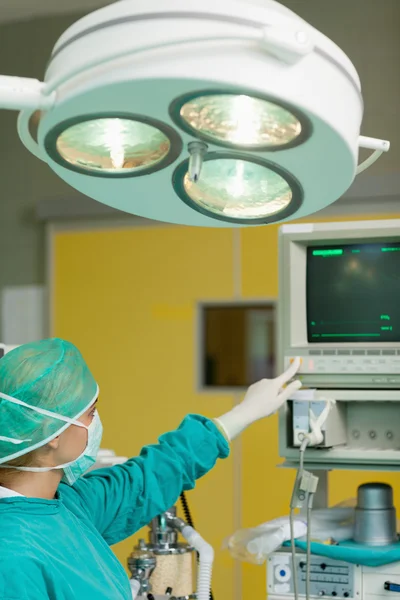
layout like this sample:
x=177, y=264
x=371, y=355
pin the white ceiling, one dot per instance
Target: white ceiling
x=18, y=10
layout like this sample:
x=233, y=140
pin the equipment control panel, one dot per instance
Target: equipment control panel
x=328, y=578
x=379, y=367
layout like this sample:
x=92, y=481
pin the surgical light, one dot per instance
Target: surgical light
x=240, y=121
x=223, y=113
x=234, y=188
x=111, y=146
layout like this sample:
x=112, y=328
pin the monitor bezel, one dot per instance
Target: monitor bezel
x=292, y=305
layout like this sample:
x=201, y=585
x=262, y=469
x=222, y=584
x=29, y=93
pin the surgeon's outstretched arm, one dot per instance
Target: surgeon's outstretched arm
x=122, y=499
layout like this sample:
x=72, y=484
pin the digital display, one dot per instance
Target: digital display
x=353, y=293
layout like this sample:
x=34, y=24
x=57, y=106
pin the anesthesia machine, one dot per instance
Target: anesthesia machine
x=165, y=568
x=340, y=313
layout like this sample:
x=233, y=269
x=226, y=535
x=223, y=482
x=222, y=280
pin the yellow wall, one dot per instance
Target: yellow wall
x=127, y=298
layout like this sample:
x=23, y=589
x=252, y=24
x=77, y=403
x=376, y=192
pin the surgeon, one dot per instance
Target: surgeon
x=56, y=527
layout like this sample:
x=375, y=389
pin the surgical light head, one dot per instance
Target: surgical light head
x=213, y=114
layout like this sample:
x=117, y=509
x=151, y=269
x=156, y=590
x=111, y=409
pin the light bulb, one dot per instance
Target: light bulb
x=113, y=145
x=241, y=121
x=239, y=189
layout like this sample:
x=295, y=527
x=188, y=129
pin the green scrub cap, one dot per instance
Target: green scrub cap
x=49, y=376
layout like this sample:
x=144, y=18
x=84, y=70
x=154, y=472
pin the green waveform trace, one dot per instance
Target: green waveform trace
x=346, y=335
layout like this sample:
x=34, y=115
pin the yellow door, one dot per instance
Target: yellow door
x=127, y=298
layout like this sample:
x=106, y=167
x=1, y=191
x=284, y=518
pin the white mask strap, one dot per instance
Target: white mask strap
x=42, y=411
x=96, y=421
x=13, y=441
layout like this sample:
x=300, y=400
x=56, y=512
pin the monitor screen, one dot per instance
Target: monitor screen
x=353, y=293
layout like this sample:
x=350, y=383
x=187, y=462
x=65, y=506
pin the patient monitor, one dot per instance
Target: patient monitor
x=339, y=310
x=340, y=303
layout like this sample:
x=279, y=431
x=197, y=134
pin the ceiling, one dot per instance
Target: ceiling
x=18, y=10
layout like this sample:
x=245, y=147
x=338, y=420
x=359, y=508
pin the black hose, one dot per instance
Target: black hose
x=186, y=510
x=189, y=521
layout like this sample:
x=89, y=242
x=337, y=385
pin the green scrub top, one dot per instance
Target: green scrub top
x=60, y=549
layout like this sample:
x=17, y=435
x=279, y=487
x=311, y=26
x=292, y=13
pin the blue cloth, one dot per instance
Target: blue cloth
x=356, y=553
x=59, y=549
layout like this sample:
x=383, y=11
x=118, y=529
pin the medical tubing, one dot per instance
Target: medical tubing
x=303, y=447
x=188, y=518
x=186, y=510
x=135, y=587
x=292, y=538
x=291, y=518
x=293, y=554
x=368, y=161
x=206, y=560
x=310, y=501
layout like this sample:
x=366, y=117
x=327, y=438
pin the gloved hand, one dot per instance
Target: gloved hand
x=261, y=400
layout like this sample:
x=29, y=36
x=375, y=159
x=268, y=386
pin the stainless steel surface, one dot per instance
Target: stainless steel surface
x=375, y=515
x=375, y=496
x=163, y=534
x=178, y=548
x=141, y=564
x=163, y=540
x=174, y=521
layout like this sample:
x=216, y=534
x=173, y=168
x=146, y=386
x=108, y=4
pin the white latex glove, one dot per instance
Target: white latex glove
x=261, y=400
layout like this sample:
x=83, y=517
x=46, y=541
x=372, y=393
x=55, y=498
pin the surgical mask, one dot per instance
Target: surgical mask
x=73, y=469
x=78, y=467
